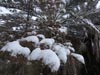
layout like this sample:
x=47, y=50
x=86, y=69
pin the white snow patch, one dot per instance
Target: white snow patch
x=47, y=56
x=68, y=44
x=15, y=48
x=66, y=16
x=62, y=52
x=31, y=39
x=98, y=5
x=63, y=30
x=14, y=10
x=35, y=55
x=62, y=55
x=37, y=9
x=2, y=21
x=85, y=3
x=16, y=28
x=78, y=6
x=15, y=2
x=79, y=57
x=51, y=59
x=34, y=18
x=48, y=41
x=71, y=49
x=41, y=36
x=4, y=11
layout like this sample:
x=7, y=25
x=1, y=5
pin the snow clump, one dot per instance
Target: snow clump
x=48, y=41
x=47, y=56
x=15, y=48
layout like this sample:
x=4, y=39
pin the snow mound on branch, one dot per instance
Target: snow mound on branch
x=71, y=49
x=62, y=56
x=47, y=56
x=68, y=44
x=66, y=16
x=37, y=9
x=48, y=41
x=4, y=11
x=51, y=59
x=2, y=22
x=35, y=55
x=14, y=10
x=34, y=18
x=63, y=30
x=41, y=36
x=98, y=5
x=62, y=52
x=31, y=39
x=15, y=48
x=79, y=57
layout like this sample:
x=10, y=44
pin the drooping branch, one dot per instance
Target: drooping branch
x=93, y=31
x=86, y=22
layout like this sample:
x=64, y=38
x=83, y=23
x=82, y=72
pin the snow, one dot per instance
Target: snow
x=68, y=44
x=85, y=3
x=48, y=41
x=47, y=56
x=51, y=59
x=71, y=49
x=67, y=51
x=79, y=57
x=66, y=16
x=15, y=28
x=64, y=1
x=62, y=52
x=98, y=5
x=37, y=9
x=91, y=24
x=14, y=10
x=57, y=47
x=35, y=55
x=2, y=22
x=62, y=55
x=78, y=6
x=4, y=11
x=31, y=39
x=41, y=36
x=34, y=18
x=15, y=48
x=63, y=30
x=34, y=32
